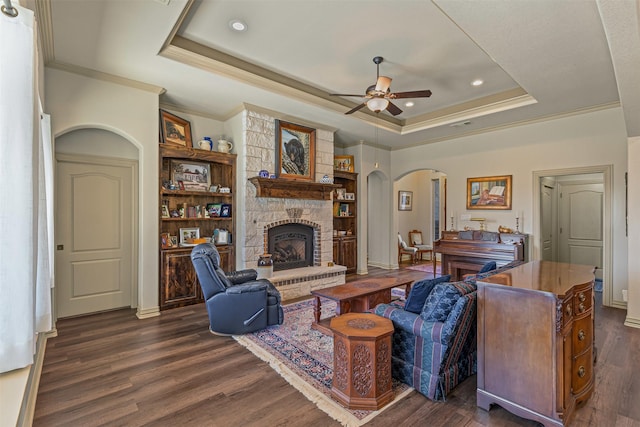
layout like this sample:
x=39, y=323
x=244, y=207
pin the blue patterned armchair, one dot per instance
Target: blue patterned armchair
x=436, y=349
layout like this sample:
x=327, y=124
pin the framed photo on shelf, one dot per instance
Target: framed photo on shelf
x=349, y=196
x=341, y=194
x=295, y=151
x=187, y=235
x=222, y=238
x=490, y=192
x=225, y=210
x=343, y=163
x=191, y=176
x=165, y=241
x=174, y=241
x=165, y=211
x=214, y=209
x=175, y=130
x=405, y=200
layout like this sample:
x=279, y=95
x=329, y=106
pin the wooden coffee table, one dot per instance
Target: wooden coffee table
x=355, y=297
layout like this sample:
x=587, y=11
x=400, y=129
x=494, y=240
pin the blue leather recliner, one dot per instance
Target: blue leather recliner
x=237, y=303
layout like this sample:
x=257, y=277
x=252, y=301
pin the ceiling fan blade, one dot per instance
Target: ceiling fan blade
x=411, y=94
x=383, y=84
x=354, y=109
x=344, y=94
x=393, y=109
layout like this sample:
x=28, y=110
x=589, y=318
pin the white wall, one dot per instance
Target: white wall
x=595, y=138
x=419, y=217
x=633, y=280
x=78, y=102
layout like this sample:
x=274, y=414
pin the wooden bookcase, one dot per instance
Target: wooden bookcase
x=178, y=282
x=345, y=220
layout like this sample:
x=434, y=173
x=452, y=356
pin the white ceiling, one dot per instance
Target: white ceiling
x=538, y=58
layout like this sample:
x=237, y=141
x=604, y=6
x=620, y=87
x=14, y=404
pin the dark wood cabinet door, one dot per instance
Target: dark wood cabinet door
x=180, y=284
x=349, y=253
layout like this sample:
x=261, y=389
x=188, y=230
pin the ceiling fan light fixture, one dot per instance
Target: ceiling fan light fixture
x=409, y=104
x=377, y=104
x=477, y=82
x=383, y=84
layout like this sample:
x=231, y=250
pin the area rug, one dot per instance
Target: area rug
x=304, y=357
x=427, y=268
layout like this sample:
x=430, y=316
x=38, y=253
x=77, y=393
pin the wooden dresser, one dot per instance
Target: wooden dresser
x=535, y=340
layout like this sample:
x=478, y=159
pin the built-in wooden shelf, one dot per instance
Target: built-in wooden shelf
x=290, y=189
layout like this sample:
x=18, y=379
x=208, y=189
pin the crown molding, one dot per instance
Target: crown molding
x=181, y=109
x=112, y=78
x=45, y=29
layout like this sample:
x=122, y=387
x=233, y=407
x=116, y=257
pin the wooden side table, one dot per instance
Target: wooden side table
x=362, y=361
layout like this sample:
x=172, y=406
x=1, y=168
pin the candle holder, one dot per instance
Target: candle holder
x=517, y=225
x=451, y=222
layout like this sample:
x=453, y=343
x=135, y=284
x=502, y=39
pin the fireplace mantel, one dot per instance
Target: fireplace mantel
x=290, y=189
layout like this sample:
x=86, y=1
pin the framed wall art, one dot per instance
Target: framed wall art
x=295, y=151
x=405, y=200
x=175, y=130
x=490, y=192
x=191, y=176
x=343, y=163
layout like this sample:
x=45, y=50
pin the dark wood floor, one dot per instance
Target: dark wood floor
x=111, y=369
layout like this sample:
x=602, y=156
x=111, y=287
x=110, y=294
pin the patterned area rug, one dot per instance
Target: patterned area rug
x=304, y=357
x=427, y=268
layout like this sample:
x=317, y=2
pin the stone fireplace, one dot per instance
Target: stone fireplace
x=298, y=225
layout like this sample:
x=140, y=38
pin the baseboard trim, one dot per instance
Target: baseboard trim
x=383, y=266
x=148, y=312
x=632, y=322
x=28, y=407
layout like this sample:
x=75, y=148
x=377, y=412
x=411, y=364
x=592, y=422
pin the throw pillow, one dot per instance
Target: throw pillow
x=491, y=265
x=439, y=303
x=420, y=291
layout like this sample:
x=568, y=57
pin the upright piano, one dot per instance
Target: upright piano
x=465, y=252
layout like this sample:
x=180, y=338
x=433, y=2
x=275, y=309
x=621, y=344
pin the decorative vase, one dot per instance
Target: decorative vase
x=206, y=143
x=265, y=266
x=224, y=146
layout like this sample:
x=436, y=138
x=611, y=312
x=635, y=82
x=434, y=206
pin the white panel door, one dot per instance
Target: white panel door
x=581, y=227
x=94, y=257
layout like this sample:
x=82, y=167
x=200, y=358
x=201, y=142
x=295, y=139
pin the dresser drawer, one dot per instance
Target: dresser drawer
x=567, y=311
x=582, y=301
x=581, y=371
x=582, y=335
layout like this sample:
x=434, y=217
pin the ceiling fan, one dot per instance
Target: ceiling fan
x=377, y=96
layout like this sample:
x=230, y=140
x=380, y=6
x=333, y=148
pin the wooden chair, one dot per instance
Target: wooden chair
x=403, y=249
x=415, y=240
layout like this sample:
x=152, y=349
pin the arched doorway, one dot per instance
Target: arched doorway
x=96, y=222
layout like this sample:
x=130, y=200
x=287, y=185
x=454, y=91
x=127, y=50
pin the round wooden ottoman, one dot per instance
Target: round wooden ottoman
x=362, y=360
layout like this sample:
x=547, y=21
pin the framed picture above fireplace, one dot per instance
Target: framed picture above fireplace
x=295, y=151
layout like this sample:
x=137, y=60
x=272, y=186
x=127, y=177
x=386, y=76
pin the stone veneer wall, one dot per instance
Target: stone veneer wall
x=259, y=139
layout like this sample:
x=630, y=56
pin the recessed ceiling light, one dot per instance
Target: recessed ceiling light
x=409, y=104
x=237, y=25
x=477, y=82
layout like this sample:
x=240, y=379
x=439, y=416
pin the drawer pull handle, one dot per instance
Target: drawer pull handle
x=582, y=297
x=581, y=335
x=568, y=310
x=581, y=307
x=582, y=372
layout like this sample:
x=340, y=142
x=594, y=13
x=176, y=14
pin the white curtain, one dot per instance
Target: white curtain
x=25, y=197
